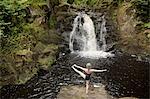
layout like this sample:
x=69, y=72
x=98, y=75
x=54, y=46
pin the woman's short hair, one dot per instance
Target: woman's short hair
x=88, y=65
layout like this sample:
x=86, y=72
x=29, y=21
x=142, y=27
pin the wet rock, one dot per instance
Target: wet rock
x=42, y=72
x=50, y=37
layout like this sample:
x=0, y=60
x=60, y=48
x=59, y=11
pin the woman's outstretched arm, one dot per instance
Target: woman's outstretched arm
x=79, y=67
x=95, y=70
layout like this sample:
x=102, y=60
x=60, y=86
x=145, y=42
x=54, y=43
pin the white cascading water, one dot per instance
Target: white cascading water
x=83, y=36
x=103, y=34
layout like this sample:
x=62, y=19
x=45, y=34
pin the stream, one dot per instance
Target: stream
x=126, y=77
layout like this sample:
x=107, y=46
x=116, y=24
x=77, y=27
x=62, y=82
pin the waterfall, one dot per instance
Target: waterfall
x=90, y=43
x=103, y=34
x=83, y=38
x=74, y=32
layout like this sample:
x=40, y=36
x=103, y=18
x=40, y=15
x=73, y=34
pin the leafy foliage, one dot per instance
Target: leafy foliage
x=12, y=13
x=11, y=20
x=147, y=25
x=91, y=3
x=22, y=24
x=14, y=25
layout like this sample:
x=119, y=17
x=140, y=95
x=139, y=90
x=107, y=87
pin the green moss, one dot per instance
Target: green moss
x=37, y=3
x=92, y=3
x=50, y=37
x=48, y=56
x=24, y=77
x=50, y=48
x=39, y=47
x=45, y=63
x=147, y=25
x=80, y=2
x=52, y=22
x=24, y=52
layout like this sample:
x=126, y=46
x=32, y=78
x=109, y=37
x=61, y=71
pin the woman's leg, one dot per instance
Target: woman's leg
x=87, y=86
x=79, y=72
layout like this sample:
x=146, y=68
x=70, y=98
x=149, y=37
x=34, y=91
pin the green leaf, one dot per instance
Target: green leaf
x=147, y=25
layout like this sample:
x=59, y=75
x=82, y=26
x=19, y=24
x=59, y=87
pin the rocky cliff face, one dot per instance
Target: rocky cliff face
x=132, y=38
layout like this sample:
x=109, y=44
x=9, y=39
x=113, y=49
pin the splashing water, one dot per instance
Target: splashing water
x=83, y=39
x=103, y=34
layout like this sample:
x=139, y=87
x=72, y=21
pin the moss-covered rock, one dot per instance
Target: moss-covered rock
x=51, y=48
x=50, y=37
x=48, y=56
x=30, y=44
x=44, y=63
x=93, y=3
x=132, y=39
x=24, y=52
x=8, y=74
x=39, y=47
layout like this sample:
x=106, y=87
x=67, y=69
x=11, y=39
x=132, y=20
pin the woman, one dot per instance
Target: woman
x=87, y=73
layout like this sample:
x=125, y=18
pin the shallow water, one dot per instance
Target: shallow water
x=78, y=92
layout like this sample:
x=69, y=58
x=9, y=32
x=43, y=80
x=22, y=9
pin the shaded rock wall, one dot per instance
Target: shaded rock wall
x=132, y=38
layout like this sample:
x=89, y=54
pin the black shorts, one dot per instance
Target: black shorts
x=87, y=77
